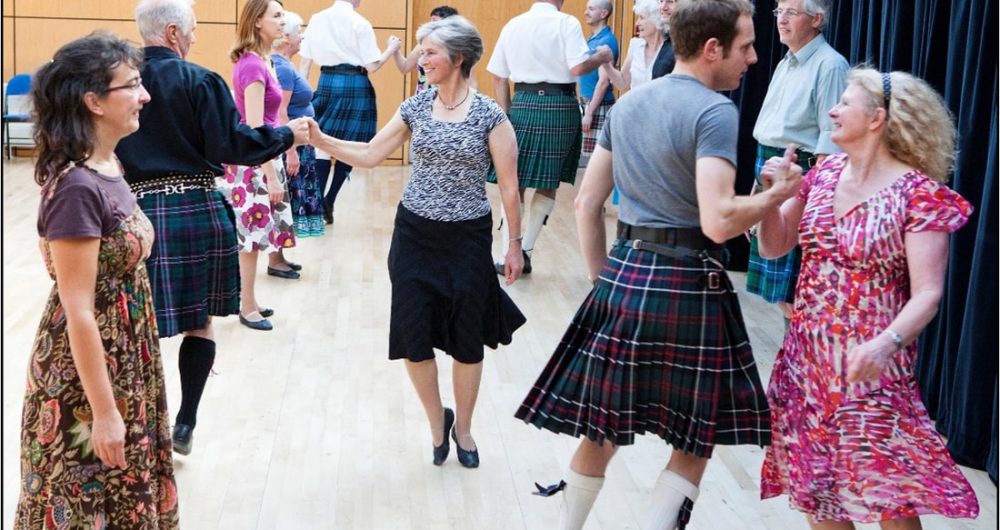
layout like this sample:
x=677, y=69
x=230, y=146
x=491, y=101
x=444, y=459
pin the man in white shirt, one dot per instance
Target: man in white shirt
x=343, y=43
x=542, y=51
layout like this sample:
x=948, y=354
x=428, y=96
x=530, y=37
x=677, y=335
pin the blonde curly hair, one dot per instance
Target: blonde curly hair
x=920, y=129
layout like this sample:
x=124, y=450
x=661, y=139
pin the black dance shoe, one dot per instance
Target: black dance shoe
x=441, y=451
x=327, y=215
x=288, y=275
x=183, y=438
x=469, y=459
x=498, y=266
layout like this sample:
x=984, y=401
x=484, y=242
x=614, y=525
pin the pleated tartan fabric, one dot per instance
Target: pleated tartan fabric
x=549, y=138
x=345, y=106
x=194, y=264
x=445, y=292
x=654, y=349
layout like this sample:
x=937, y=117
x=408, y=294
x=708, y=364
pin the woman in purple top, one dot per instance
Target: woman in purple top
x=263, y=215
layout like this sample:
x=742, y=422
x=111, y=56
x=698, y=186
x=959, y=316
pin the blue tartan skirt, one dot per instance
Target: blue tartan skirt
x=194, y=264
x=345, y=106
x=445, y=292
x=656, y=347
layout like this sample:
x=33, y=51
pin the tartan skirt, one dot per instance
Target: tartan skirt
x=773, y=279
x=549, y=138
x=445, y=292
x=345, y=106
x=194, y=264
x=654, y=349
x=596, y=124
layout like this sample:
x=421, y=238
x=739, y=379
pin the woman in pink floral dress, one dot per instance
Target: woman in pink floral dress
x=851, y=440
x=264, y=221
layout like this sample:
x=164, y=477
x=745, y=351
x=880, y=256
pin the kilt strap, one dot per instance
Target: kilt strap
x=691, y=238
x=549, y=89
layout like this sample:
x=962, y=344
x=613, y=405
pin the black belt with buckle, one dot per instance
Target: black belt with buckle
x=349, y=69
x=673, y=242
x=547, y=89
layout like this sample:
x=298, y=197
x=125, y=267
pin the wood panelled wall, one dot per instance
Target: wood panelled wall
x=34, y=29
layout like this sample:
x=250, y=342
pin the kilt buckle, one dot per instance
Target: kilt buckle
x=713, y=280
x=637, y=244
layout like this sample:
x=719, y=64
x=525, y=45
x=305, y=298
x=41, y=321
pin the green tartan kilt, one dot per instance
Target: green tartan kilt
x=549, y=137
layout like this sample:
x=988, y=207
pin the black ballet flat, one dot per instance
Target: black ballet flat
x=469, y=459
x=441, y=451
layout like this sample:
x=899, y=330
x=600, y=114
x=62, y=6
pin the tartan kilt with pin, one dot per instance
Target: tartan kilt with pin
x=658, y=346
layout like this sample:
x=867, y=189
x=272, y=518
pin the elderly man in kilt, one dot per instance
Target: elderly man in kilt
x=659, y=345
x=343, y=43
x=806, y=84
x=188, y=129
x=543, y=51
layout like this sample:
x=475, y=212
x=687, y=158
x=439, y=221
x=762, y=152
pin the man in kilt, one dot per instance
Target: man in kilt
x=187, y=130
x=342, y=43
x=543, y=51
x=807, y=83
x=659, y=345
x=596, y=96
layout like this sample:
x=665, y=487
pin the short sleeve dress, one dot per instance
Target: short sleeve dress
x=260, y=224
x=63, y=483
x=864, y=452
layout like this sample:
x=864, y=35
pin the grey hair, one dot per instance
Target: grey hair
x=153, y=16
x=650, y=8
x=818, y=7
x=459, y=37
x=293, y=26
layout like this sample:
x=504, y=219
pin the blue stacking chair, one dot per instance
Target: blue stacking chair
x=19, y=85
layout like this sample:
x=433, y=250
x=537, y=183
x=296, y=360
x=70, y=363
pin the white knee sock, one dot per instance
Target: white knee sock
x=541, y=207
x=578, y=498
x=668, y=496
x=506, y=229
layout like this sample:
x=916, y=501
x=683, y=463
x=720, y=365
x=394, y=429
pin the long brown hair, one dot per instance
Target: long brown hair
x=247, y=38
x=64, y=126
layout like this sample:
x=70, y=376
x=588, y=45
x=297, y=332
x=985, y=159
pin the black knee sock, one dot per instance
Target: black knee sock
x=323, y=174
x=340, y=173
x=195, y=360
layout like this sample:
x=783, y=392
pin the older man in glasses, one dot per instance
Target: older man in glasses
x=806, y=84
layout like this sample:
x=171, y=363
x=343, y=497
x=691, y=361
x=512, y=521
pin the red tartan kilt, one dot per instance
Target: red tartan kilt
x=654, y=349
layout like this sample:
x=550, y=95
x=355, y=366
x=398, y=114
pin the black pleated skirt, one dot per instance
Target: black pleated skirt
x=445, y=293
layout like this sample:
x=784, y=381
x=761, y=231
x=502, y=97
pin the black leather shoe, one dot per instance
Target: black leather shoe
x=183, y=438
x=441, y=451
x=499, y=268
x=327, y=215
x=288, y=275
x=294, y=266
x=266, y=312
x=260, y=325
x=527, y=263
x=469, y=459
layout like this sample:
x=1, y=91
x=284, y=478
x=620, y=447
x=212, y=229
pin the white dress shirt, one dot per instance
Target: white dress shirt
x=539, y=46
x=339, y=35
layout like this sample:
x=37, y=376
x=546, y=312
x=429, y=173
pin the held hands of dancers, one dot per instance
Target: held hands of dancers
x=300, y=129
x=781, y=175
x=603, y=53
x=392, y=44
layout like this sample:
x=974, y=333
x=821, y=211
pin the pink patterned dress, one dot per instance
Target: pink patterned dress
x=863, y=452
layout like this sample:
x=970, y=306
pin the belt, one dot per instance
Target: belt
x=344, y=68
x=547, y=89
x=174, y=184
x=673, y=242
x=805, y=159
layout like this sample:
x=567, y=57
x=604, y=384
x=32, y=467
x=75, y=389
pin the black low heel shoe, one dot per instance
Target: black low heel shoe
x=469, y=459
x=441, y=451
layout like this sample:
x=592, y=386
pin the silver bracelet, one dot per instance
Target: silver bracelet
x=897, y=339
x=518, y=238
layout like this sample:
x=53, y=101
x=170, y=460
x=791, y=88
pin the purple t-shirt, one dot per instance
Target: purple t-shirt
x=85, y=203
x=251, y=69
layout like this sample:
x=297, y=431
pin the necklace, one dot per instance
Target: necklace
x=456, y=105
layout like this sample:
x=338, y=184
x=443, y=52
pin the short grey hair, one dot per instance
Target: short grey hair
x=818, y=7
x=651, y=9
x=459, y=37
x=153, y=16
x=293, y=26
x=605, y=5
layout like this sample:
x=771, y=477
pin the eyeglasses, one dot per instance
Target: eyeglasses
x=131, y=85
x=788, y=13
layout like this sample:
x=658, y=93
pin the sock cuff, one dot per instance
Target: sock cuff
x=577, y=480
x=678, y=483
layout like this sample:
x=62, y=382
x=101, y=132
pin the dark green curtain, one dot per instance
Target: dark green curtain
x=948, y=44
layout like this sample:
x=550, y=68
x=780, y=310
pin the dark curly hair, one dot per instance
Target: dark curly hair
x=444, y=11
x=64, y=126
